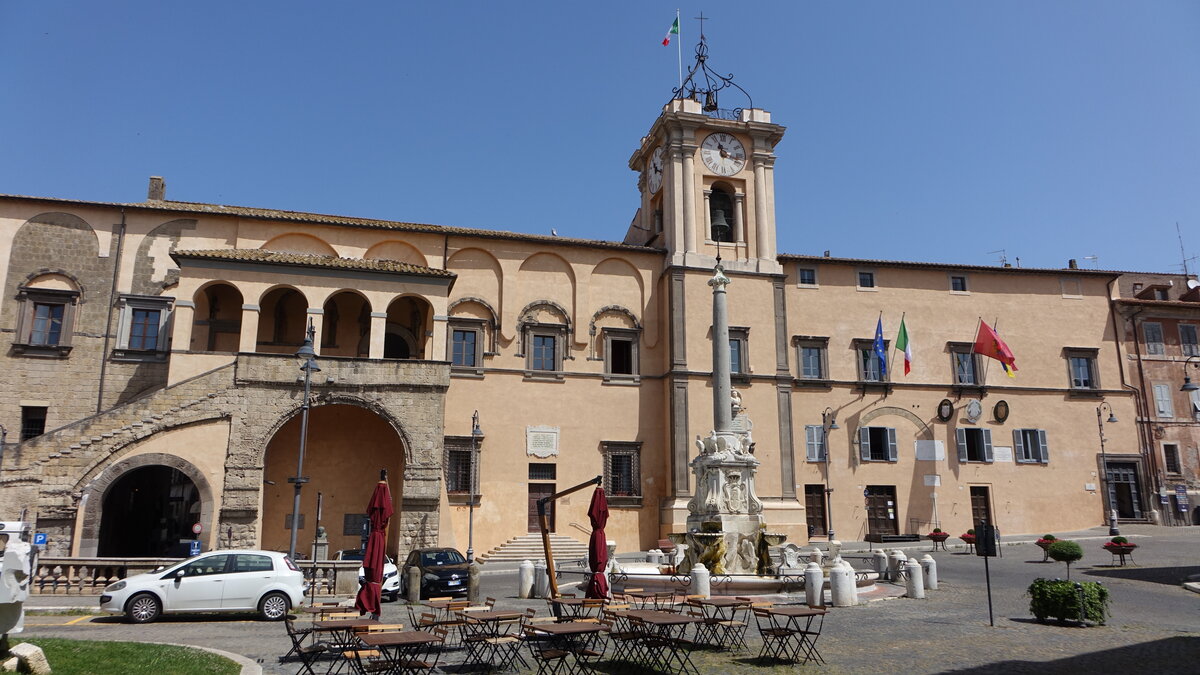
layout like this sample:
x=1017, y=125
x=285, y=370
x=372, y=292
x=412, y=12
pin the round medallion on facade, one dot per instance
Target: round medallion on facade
x=974, y=410
x=723, y=154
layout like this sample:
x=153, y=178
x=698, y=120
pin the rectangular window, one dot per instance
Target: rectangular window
x=1195, y=396
x=544, y=353
x=1171, y=457
x=543, y=472
x=812, y=354
x=1152, y=334
x=806, y=276
x=33, y=421
x=870, y=368
x=1163, y=405
x=964, y=363
x=622, y=470
x=47, y=324
x=974, y=445
x=353, y=524
x=814, y=438
x=958, y=283
x=877, y=444
x=739, y=358
x=1187, y=340
x=143, y=329
x=463, y=347
x=866, y=279
x=142, y=332
x=620, y=351
x=1029, y=446
x=1081, y=364
x=462, y=465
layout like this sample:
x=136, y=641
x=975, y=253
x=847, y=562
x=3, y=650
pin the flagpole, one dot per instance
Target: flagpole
x=679, y=50
x=902, y=315
x=978, y=325
x=887, y=353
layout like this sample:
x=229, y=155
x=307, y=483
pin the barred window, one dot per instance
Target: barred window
x=461, y=461
x=622, y=472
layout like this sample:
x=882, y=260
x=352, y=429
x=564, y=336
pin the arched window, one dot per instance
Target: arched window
x=720, y=215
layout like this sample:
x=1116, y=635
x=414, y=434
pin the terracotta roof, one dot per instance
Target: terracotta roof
x=347, y=221
x=817, y=259
x=1177, y=304
x=305, y=260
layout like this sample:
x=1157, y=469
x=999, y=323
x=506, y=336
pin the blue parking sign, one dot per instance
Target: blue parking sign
x=40, y=539
x=194, y=549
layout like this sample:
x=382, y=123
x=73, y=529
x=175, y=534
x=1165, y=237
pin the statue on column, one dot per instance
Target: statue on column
x=15, y=576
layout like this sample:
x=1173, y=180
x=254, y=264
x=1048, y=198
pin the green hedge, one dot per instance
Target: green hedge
x=1060, y=599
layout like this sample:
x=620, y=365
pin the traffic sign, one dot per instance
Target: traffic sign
x=194, y=549
x=197, y=528
x=40, y=539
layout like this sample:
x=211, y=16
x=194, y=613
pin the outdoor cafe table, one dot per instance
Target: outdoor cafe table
x=645, y=598
x=574, y=607
x=802, y=638
x=398, y=647
x=571, y=636
x=664, y=623
x=720, y=612
x=342, y=630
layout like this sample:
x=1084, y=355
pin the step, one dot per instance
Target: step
x=529, y=547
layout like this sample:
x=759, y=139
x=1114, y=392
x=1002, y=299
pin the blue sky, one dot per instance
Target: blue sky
x=935, y=131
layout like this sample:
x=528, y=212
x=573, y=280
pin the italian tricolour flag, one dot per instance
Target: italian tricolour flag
x=905, y=346
x=674, y=31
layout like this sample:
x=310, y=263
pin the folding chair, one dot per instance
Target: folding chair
x=731, y=632
x=776, y=639
x=502, y=648
x=308, y=654
x=550, y=660
x=808, y=638
x=426, y=658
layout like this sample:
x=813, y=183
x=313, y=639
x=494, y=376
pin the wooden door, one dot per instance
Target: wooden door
x=981, y=505
x=536, y=492
x=881, y=509
x=814, y=509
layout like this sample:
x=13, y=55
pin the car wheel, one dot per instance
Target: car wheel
x=273, y=606
x=143, y=608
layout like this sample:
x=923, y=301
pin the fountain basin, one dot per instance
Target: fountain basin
x=647, y=576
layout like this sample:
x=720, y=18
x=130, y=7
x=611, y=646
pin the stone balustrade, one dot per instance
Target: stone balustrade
x=89, y=576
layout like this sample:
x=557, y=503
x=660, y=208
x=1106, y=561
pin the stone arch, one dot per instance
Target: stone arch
x=92, y=496
x=399, y=251
x=493, y=320
x=612, y=309
x=283, y=318
x=409, y=318
x=923, y=430
x=260, y=443
x=295, y=242
x=44, y=242
x=346, y=323
x=217, y=328
x=620, y=283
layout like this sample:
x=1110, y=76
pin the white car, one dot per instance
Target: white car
x=266, y=582
x=391, y=575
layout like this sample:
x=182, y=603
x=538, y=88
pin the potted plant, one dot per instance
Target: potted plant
x=1119, y=546
x=1061, y=600
x=938, y=535
x=968, y=536
x=1065, y=552
x=1044, y=544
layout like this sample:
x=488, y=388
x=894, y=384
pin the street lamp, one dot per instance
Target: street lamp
x=308, y=365
x=1112, y=514
x=1188, y=385
x=3, y=442
x=476, y=432
x=829, y=423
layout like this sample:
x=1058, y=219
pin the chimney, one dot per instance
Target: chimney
x=1072, y=264
x=158, y=189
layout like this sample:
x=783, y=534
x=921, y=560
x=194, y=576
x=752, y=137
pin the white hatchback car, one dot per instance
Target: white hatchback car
x=391, y=576
x=266, y=582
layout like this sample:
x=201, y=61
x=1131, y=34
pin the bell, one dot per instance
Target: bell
x=710, y=101
x=720, y=226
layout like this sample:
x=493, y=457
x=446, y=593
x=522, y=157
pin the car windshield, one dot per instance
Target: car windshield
x=435, y=558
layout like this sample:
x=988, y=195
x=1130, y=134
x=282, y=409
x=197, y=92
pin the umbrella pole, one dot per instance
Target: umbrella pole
x=544, y=524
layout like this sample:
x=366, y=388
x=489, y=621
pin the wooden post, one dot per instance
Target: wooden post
x=544, y=524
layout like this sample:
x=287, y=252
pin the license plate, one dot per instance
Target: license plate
x=454, y=583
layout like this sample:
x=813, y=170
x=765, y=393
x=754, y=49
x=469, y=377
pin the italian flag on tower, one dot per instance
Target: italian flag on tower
x=905, y=346
x=674, y=31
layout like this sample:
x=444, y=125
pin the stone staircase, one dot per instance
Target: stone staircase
x=529, y=547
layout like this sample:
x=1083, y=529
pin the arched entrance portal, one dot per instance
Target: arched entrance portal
x=149, y=512
x=347, y=446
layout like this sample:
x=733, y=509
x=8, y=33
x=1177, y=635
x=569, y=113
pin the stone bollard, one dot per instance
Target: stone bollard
x=929, y=568
x=413, y=576
x=654, y=556
x=915, y=583
x=853, y=583
x=835, y=548
x=541, y=580
x=525, y=579
x=474, y=574
x=896, y=564
x=841, y=585
x=814, y=585
x=879, y=561
x=701, y=581
x=816, y=556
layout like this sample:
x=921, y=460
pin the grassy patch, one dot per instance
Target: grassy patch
x=98, y=657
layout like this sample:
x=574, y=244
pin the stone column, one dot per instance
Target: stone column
x=739, y=220
x=248, y=338
x=761, y=235
x=181, y=325
x=707, y=215
x=689, y=198
x=378, y=331
x=722, y=408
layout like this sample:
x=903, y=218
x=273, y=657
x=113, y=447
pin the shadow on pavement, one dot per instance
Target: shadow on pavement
x=1171, y=576
x=1169, y=655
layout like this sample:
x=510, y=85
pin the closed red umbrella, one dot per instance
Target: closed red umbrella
x=598, y=545
x=379, y=511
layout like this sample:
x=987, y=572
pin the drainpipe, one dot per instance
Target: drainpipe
x=1145, y=435
x=112, y=305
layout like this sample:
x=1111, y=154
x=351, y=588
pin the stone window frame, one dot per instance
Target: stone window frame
x=956, y=349
x=866, y=449
x=740, y=335
x=1091, y=356
x=127, y=304
x=479, y=328
x=984, y=454
x=861, y=345
x=1022, y=453
x=820, y=343
x=816, y=279
x=633, y=451
x=1189, y=345
x=1163, y=395
x=527, y=329
x=27, y=300
x=870, y=275
x=630, y=335
x=1156, y=347
x=455, y=447
x=1170, y=470
x=951, y=280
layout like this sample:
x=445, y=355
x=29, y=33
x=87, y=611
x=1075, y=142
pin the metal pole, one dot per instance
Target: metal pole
x=987, y=573
x=3, y=442
x=310, y=366
x=1113, y=530
x=475, y=432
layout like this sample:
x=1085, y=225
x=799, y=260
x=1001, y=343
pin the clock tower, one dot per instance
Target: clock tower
x=706, y=177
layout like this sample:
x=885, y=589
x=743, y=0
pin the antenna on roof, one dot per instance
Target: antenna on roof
x=1003, y=256
x=1182, y=252
x=1094, y=258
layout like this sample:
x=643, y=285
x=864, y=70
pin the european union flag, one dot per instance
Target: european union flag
x=880, y=349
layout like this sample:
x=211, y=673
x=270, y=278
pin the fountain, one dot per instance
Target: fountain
x=726, y=532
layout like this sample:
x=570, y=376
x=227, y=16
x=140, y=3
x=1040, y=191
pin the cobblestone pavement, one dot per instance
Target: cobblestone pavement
x=1155, y=624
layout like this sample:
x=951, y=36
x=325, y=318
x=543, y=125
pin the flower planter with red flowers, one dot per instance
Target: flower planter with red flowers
x=1119, y=549
x=968, y=538
x=939, y=537
x=1044, y=544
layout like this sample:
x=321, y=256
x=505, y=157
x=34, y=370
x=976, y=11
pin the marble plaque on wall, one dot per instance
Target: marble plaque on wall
x=541, y=442
x=933, y=451
x=1002, y=453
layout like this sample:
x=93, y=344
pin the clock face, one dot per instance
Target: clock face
x=655, y=176
x=723, y=154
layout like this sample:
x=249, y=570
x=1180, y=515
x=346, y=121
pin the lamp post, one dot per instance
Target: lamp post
x=3, y=442
x=1188, y=385
x=307, y=356
x=828, y=423
x=476, y=432
x=1112, y=514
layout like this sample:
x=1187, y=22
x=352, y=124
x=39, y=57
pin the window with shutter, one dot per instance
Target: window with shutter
x=814, y=436
x=974, y=445
x=1162, y=400
x=864, y=444
x=1188, y=343
x=1043, y=449
x=877, y=444
x=1152, y=333
x=893, y=455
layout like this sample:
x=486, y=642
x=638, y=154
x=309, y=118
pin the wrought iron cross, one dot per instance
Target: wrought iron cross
x=702, y=19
